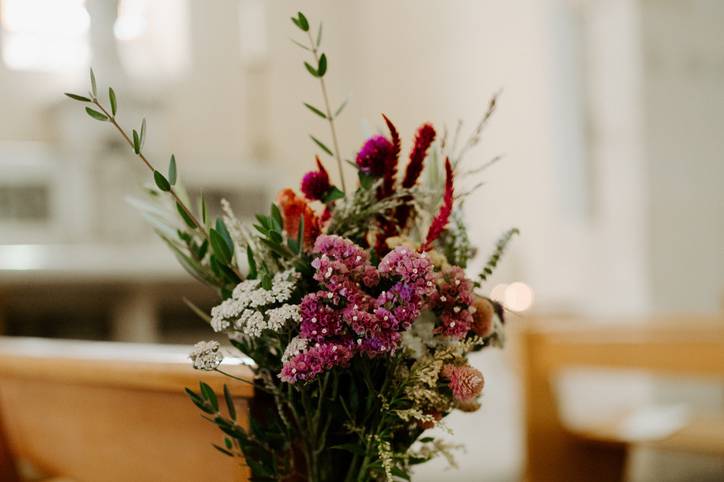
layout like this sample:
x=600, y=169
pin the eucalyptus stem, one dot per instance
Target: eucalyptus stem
x=329, y=114
x=177, y=199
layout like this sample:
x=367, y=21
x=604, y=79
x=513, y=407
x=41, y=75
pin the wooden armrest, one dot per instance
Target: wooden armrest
x=672, y=428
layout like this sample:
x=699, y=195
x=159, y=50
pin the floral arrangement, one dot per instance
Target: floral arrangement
x=353, y=304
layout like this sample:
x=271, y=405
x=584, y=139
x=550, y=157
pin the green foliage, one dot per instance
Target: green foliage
x=96, y=115
x=334, y=194
x=301, y=22
x=315, y=110
x=136, y=142
x=172, y=173
x=495, y=256
x=161, y=182
x=94, y=86
x=78, y=97
x=321, y=145
x=112, y=100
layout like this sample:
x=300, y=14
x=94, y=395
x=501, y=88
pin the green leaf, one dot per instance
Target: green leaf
x=264, y=221
x=321, y=145
x=426, y=440
x=298, y=44
x=311, y=69
x=334, y=194
x=221, y=228
x=94, y=87
x=319, y=35
x=184, y=215
x=78, y=97
x=143, y=131
x=300, y=233
x=209, y=395
x=275, y=237
x=228, y=442
x=229, y=403
x=322, y=67
x=96, y=115
x=219, y=247
x=353, y=448
x=222, y=450
x=276, y=217
x=252, y=263
x=315, y=110
x=204, y=211
x=301, y=22
x=266, y=281
x=341, y=108
x=136, y=142
x=199, y=402
x=365, y=180
x=293, y=245
x=172, y=170
x=114, y=102
x=161, y=181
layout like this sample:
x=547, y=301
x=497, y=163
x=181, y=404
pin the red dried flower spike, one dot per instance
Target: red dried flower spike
x=443, y=216
x=390, y=174
x=423, y=139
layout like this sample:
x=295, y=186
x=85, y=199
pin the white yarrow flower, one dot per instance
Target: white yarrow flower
x=250, y=309
x=294, y=348
x=206, y=355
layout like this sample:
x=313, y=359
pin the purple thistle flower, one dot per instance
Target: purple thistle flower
x=377, y=156
x=315, y=184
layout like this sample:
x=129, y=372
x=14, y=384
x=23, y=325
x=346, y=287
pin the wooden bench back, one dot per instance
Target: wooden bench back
x=106, y=412
x=683, y=346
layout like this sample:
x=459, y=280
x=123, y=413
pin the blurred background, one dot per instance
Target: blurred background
x=610, y=123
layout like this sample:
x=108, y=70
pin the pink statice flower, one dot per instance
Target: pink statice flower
x=317, y=359
x=453, y=301
x=466, y=382
x=320, y=317
x=415, y=269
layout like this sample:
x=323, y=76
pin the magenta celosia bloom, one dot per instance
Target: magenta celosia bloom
x=465, y=381
x=315, y=184
x=315, y=360
x=377, y=156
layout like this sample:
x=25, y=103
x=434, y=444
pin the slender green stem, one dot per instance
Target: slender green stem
x=171, y=191
x=329, y=114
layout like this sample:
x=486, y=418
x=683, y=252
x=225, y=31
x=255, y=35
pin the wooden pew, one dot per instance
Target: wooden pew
x=598, y=452
x=109, y=412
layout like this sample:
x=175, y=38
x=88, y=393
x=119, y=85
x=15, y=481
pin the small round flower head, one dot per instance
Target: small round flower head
x=483, y=313
x=376, y=156
x=206, y=355
x=466, y=382
x=315, y=184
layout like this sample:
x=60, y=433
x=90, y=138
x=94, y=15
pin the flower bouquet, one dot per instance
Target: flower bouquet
x=353, y=303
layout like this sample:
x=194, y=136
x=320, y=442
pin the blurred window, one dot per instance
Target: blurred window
x=153, y=37
x=44, y=35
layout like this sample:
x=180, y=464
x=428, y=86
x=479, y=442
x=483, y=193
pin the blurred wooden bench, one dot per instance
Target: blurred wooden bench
x=109, y=412
x=598, y=451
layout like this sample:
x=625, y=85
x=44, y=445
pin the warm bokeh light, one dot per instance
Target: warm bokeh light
x=518, y=297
